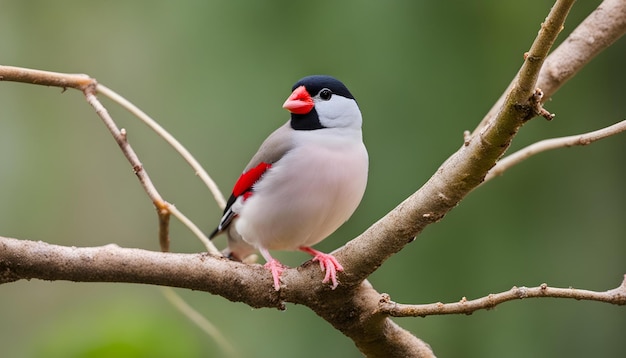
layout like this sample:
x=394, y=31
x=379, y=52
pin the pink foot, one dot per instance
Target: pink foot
x=274, y=266
x=328, y=263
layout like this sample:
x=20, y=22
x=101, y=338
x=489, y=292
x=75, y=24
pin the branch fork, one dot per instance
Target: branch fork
x=536, y=102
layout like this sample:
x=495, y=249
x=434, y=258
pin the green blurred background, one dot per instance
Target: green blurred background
x=215, y=73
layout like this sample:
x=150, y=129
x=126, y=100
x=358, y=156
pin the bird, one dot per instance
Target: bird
x=305, y=181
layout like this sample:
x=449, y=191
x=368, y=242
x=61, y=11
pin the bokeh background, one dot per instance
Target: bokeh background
x=215, y=73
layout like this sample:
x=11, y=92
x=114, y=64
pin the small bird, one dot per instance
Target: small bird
x=304, y=182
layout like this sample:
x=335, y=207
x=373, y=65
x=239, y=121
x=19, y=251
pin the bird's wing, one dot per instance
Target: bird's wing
x=272, y=149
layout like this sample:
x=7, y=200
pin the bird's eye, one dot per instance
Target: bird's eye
x=325, y=94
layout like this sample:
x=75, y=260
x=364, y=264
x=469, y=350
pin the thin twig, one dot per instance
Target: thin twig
x=89, y=87
x=46, y=78
x=208, y=244
x=553, y=143
x=164, y=209
x=615, y=296
x=204, y=176
x=121, y=138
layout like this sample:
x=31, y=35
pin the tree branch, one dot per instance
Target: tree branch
x=615, y=296
x=164, y=209
x=599, y=30
x=459, y=174
x=352, y=310
x=80, y=82
x=90, y=87
x=605, y=25
x=204, y=176
x=24, y=260
x=553, y=143
x=122, y=141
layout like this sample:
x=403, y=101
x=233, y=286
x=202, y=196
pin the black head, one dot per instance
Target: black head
x=315, y=83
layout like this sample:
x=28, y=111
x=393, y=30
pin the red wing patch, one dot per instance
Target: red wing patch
x=247, y=179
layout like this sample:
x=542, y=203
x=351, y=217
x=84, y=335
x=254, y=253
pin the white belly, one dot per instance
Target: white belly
x=300, y=202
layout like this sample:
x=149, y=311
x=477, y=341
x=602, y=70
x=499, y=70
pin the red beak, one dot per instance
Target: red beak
x=299, y=102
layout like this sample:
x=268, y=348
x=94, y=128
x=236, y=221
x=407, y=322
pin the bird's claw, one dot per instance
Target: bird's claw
x=276, y=268
x=328, y=264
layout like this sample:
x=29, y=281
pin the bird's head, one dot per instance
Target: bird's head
x=321, y=101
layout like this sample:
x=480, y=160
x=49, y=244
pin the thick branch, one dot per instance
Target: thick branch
x=352, y=310
x=598, y=31
x=460, y=174
x=615, y=296
x=23, y=259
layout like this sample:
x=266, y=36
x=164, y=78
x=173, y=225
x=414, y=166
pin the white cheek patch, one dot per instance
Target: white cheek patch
x=338, y=112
